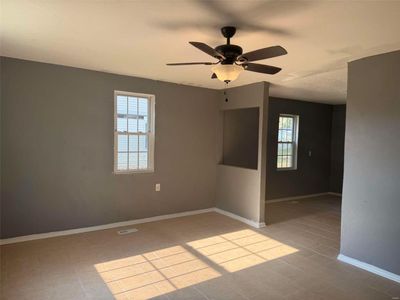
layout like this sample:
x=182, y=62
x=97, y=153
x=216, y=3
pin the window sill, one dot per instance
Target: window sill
x=133, y=172
x=286, y=169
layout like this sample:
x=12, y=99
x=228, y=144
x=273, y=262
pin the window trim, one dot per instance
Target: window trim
x=151, y=133
x=296, y=119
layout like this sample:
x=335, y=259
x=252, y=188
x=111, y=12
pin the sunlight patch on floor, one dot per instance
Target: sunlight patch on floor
x=166, y=270
x=154, y=273
x=242, y=249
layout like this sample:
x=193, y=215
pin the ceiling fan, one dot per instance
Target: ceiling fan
x=231, y=59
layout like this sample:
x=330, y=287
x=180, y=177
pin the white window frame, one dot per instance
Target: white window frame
x=294, y=143
x=150, y=134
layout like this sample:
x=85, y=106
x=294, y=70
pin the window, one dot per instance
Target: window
x=133, y=132
x=287, y=142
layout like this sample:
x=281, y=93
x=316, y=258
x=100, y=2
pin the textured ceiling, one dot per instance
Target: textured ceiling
x=138, y=37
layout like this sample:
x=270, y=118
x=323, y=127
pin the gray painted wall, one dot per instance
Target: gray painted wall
x=312, y=174
x=242, y=190
x=240, y=137
x=57, y=149
x=337, y=148
x=371, y=189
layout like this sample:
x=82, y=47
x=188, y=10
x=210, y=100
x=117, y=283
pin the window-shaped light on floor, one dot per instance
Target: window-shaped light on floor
x=241, y=249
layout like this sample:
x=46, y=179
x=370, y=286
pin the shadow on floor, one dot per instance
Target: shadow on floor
x=323, y=207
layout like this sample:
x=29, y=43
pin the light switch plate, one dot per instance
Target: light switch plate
x=158, y=187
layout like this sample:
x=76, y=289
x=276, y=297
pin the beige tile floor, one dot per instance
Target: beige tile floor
x=207, y=256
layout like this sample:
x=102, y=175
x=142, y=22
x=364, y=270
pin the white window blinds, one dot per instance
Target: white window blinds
x=133, y=132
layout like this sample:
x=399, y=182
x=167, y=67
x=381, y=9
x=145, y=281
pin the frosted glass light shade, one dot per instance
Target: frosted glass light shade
x=227, y=73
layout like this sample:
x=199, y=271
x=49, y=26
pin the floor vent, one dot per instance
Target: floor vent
x=127, y=231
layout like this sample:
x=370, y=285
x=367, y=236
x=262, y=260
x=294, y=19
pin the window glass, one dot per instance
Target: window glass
x=287, y=142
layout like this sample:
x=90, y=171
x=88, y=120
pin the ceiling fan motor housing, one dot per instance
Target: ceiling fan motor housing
x=231, y=52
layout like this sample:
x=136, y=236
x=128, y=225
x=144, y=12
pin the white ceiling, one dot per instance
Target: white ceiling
x=138, y=37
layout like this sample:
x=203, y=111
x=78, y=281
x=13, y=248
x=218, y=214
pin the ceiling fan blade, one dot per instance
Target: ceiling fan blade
x=214, y=76
x=263, y=53
x=207, y=49
x=261, y=68
x=191, y=63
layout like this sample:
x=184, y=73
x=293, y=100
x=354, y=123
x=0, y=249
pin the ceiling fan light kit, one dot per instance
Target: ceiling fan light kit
x=227, y=73
x=231, y=60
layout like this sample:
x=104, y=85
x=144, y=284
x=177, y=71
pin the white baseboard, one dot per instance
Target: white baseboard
x=295, y=198
x=39, y=236
x=369, y=268
x=302, y=197
x=46, y=235
x=335, y=194
x=239, y=218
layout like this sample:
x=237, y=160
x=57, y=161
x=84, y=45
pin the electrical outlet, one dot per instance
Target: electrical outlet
x=158, y=187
